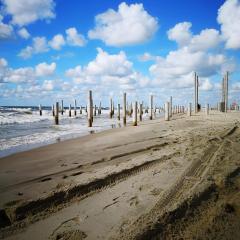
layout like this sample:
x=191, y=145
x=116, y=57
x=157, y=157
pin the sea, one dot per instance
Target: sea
x=22, y=128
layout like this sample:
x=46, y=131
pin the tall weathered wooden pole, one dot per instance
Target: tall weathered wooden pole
x=90, y=109
x=170, y=107
x=53, y=111
x=70, y=110
x=166, y=112
x=95, y=110
x=226, y=92
x=118, y=111
x=195, y=92
x=151, y=107
x=56, y=117
x=75, y=107
x=110, y=108
x=100, y=108
x=62, y=108
x=140, y=111
x=189, y=109
x=135, y=114
x=40, y=109
x=124, y=109
x=207, y=109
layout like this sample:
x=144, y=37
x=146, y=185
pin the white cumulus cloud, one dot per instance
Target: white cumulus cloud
x=206, y=39
x=24, y=12
x=108, y=70
x=6, y=30
x=48, y=85
x=44, y=69
x=229, y=18
x=39, y=45
x=180, y=33
x=23, y=33
x=57, y=42
x=74, y=38
x=130, y=24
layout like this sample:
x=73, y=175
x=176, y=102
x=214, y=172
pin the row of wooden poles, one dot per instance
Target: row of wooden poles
x=133, y=111
x=136, y=107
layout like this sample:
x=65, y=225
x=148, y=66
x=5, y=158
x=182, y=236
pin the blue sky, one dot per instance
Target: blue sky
x=52, y=50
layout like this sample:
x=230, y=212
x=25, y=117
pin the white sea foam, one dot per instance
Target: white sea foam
x=22, y=129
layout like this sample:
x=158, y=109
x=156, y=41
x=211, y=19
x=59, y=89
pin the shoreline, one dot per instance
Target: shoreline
x=79, y=171
x=31, y=144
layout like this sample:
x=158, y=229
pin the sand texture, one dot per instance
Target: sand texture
x=160, y=180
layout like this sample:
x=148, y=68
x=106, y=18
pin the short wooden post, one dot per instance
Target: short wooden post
x=135, y=114
x=62, y=108
x=56, y=113
x=110, y=108
x=140, y=111
x=75, y=107
x=151, y=107
x=90, y=109
x=70, y=110
x=131, y=109
x=53, y=111
x=100, y=108
x=124, y=109
x=80, y=110
x=189, y=109
x=95, y=110
x=207, y=109
x=170, y=107
x=118, y=110
x=166, y=112
x=40, y=109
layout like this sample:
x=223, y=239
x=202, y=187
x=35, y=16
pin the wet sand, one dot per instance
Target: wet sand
x=161, y=180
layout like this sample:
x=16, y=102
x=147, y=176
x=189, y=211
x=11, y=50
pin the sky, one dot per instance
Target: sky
x=57, y=49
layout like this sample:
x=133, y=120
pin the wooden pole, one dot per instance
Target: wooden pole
x=53, y=111
x=95, y=110
x=195, y=93
x=90, y=110
x=100, y=108
x=70, y=110
x=170, y=107
x=135, y=114
x=131, y=109
x=124, y=109
x=56, y=113
x=75, y=107
x=118, y=109
x=110, y=108
x=166, y=112
x=62, y=108
x=226, y=92
x=40, y=109
x=140, y=111
x=190, y=109
x=207, y=109
x=151, y=107
x=80, y=109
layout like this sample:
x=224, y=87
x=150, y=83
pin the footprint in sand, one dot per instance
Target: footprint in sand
x=133, y=201
x=68, y=230
x=156, y=191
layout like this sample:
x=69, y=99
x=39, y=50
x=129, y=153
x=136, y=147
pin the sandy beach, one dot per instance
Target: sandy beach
x=160, y=180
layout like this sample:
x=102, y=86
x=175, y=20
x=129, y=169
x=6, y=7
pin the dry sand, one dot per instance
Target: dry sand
x=160, y=180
